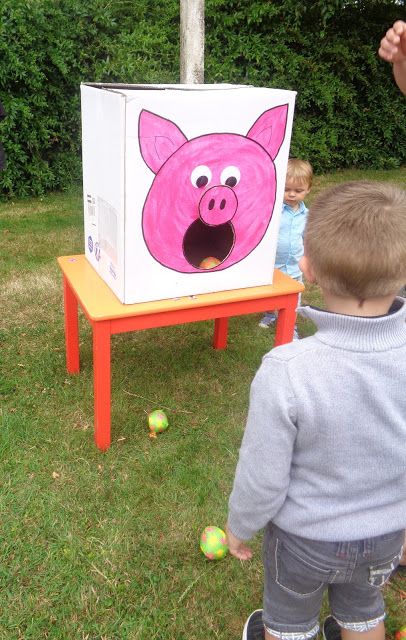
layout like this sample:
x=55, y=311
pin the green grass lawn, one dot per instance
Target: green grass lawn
x=97, y=545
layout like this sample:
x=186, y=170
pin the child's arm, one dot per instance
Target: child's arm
x=263, y=472
x=393, y=49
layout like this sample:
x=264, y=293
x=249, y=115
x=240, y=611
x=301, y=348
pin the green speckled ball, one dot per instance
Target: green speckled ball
x=213, y=543
x=209, y=263
x=157, y=421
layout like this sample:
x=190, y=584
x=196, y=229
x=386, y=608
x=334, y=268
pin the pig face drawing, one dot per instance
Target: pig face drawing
x=213, y=196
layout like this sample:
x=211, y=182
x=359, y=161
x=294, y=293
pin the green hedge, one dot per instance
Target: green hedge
x=349, y=111
x=46, y=49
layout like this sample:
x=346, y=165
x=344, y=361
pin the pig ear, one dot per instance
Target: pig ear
x=159, y=139
x=269, y=130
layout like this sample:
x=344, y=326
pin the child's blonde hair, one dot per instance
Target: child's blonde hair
x=355, y=239
x=300, y=170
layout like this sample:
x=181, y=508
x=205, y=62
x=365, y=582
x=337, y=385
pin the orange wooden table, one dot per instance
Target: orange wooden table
x=107, y=315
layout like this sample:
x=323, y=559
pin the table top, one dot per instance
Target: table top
x=102, y=304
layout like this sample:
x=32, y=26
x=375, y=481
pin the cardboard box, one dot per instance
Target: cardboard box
x=183, y=186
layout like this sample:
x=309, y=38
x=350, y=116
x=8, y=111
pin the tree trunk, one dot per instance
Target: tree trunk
x=191, y=41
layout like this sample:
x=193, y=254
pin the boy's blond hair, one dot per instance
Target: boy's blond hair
x=300, y=170
x=355, y=239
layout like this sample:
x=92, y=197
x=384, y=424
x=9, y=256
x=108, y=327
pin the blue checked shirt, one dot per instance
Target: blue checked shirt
x=290, y=240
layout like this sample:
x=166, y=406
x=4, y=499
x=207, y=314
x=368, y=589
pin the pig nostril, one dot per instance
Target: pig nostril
x=222, y=204
x=211, y=204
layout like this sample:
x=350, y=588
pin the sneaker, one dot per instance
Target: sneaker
x=400, y=569
x=266, y=322
x=331, y=629
x=254, y=627
x=263, y=324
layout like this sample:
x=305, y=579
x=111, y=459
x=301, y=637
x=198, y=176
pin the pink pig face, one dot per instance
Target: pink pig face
x=212, y=196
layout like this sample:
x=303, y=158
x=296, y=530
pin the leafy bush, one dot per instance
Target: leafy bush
x=349, y=111
x=146, y=49
x=46, y=50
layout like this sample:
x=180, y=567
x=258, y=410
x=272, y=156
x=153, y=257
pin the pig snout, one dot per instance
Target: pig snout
x=218, y=205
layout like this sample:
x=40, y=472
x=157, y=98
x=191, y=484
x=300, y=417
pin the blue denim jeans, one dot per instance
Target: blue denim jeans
x=298, y=571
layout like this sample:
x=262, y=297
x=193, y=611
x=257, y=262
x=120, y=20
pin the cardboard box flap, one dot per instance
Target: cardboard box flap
x=163, y=87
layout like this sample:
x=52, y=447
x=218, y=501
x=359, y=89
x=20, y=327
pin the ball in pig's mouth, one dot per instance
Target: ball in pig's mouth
x=202, y=240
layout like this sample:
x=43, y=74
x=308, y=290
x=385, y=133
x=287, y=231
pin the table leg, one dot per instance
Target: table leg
x=71, y=328
x=285, y=323
x=220, y=333
x=102, y=383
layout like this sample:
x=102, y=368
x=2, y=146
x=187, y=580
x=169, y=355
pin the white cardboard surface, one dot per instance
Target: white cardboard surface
x=148, y=224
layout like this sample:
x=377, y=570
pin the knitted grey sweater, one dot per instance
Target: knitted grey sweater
x=324, y=450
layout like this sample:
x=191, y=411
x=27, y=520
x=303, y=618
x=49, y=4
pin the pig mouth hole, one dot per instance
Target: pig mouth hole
x=202, y=241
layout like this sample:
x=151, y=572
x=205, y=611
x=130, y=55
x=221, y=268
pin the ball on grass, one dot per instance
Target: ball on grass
x=157, y=421
x=209, y=263
x=400, y=633
x=213, y=543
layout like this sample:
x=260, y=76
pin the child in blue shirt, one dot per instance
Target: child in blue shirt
x=294, y=214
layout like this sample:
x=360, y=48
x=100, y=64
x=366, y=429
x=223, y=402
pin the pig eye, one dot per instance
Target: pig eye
x=230, y=176
x=200, y=176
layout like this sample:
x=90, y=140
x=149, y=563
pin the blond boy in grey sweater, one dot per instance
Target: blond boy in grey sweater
x=322, y=464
